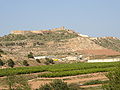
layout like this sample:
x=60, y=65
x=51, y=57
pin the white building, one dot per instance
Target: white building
x=105, y=60
x=83, y=35
x=43, y=57
x=74, y=57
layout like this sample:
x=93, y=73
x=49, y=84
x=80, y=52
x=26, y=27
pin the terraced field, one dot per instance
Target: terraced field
x=60, y=70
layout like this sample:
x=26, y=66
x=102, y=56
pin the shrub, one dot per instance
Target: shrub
x=49, y=61
x=69, y=53
x=45, y=87
x=1, y=51
x=0, y=55
x=38, y=60
x=10, y=63
x=46, y=62
x=1, y=63
x=30, y=55
x=58, y=85
x=25, y=63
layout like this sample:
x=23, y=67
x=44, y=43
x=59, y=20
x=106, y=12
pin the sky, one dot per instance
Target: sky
x=96, y=18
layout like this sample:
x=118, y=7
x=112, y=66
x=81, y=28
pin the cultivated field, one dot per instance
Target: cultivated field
x=59, y=70
x=79, y=73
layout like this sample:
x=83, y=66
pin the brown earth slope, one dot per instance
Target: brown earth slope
x=58, y=43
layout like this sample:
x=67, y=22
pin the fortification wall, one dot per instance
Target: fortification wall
x=41, y=31
x=26, y=32
x=56, y=29
x=19, y=32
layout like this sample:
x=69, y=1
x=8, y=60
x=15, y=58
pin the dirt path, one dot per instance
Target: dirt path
x=76, y=76
x=35, y=83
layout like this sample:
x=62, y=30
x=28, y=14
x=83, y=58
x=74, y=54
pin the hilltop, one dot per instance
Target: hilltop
x=42, y=31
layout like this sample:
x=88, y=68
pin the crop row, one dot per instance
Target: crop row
x=80, y=66
x=56, y=68
x=76, y=72
x=22, y=70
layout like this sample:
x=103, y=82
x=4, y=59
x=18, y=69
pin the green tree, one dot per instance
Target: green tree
x=1, y=63
x=25, y=63
x=30, y=55
x=114, y=80
x=10, y=63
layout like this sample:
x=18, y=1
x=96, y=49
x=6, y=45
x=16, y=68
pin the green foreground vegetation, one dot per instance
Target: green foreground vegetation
x=59, y=85
x=20, y=82
x=60, y=70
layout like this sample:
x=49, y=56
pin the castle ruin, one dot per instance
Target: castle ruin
x=38, y=31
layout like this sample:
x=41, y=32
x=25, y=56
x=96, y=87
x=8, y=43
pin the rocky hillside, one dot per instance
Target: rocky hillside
x=108, y=42
x=56, y=42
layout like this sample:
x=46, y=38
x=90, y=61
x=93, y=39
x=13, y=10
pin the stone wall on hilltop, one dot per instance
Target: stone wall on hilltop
x=25, y=32
x=41, y=31
x=56, y=29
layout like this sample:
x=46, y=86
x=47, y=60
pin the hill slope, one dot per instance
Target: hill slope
x=108, y=42
x=59, y=43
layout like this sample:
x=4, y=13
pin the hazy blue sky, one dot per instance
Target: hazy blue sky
x=91, y=17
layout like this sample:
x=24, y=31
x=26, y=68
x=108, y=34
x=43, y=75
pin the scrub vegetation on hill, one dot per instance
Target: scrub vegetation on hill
x=110, y=43
x=52, y=36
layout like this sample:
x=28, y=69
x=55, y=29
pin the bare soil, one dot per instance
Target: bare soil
x=80, y=79
x=100, y=52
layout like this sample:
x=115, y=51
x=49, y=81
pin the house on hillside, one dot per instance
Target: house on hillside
x=50, y=57
x=43, y=57
x=74, y=57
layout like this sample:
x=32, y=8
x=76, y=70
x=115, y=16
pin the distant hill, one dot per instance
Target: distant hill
x=59, y=42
